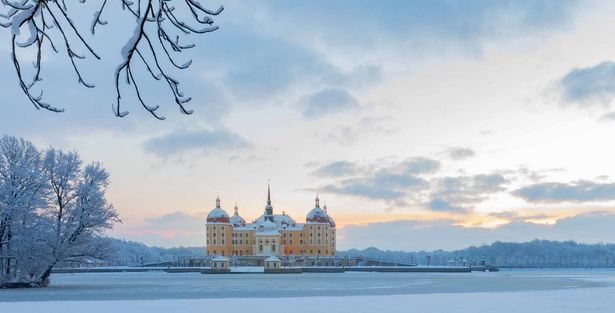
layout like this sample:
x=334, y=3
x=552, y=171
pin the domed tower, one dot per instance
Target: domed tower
x=317, y=214
x=217, y=214
x=219, y=231
x=236, y=219
x=319, y=231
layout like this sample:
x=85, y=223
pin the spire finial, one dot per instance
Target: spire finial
x=236, y=209
x=218, y=201
x=325, y=207
x=317, y=201
x=268, y=192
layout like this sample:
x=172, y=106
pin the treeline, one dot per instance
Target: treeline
x=118, y=252
x=536, y=253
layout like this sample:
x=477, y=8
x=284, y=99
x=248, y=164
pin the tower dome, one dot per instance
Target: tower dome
x=217, y=215
x=317, y=214
x=236, y=219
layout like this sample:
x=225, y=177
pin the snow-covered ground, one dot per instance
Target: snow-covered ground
x=518, y=291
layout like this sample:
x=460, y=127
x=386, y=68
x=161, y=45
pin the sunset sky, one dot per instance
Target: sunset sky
x=421, y=124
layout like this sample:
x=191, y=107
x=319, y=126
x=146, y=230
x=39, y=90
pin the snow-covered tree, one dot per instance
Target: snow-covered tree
x=53, y=210
x=157, y=33
x=22, y=192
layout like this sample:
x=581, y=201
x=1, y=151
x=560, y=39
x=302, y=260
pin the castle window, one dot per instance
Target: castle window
x=222, y=234
x=291, y=241
x=318, y=234
x=260, y=248
x=222, y=228
x=222, y=242
x=273, y=248
x=214, y=234
x=319, y=242
x=214, y=242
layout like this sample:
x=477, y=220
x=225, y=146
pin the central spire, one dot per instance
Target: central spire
x=269, y=207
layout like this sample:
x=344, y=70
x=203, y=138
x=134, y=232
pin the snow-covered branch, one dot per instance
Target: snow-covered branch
x=156, y=40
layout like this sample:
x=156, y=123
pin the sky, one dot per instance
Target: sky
x=421, y=124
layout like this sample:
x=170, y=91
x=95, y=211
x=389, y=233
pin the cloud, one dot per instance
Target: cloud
x=337, y=168
x=576, y=191
x=443, y=206
x=412, y=235
x=392, y=182
x=207, y=141
x=589, y=85
x=366, y=126
x=328, y=101
x=411, y=181
x=381, y=186
x=461, y=193
x=411, y=26
x=607, y=117
x=417, y=165
x=460, y=153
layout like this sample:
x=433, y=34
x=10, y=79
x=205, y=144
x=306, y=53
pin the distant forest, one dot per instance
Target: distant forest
x=536, y=253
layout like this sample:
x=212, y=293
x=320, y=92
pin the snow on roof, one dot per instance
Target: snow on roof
x=269, y=232
x=217, y=215
x=220, y=259
x=237, y=220
x=316, y=215
x=272, y=258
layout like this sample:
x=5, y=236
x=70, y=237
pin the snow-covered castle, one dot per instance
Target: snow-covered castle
x=270, y=234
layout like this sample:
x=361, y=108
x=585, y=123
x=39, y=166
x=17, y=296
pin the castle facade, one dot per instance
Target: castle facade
x=270, y=233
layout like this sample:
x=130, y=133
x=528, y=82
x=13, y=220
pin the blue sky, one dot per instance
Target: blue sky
x=482, y=120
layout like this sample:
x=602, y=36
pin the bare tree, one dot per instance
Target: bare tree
x=155, y=41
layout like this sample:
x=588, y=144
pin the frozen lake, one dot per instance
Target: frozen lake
x=160, y=285
x=560, y=291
